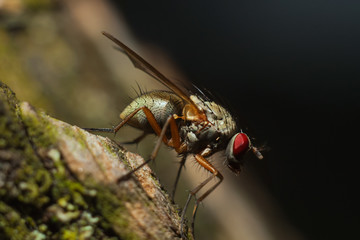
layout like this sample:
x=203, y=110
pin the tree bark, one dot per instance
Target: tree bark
x=58, y=181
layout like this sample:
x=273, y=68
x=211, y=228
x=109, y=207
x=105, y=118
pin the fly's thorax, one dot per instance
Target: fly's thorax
x=215, y=133
x=162, y=104
x=217, y=115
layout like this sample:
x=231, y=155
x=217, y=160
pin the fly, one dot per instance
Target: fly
x=190, y=123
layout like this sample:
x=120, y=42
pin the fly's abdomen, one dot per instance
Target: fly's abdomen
x=162, y=104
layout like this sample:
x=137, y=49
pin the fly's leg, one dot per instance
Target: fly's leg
x=152, y=121
x=174, y=141
x=215, y=173
x=155, y=126
x=154, y=152
x=109, y=130
x=182, y=164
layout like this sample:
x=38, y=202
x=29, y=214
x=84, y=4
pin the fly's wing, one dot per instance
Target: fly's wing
x=146, y=67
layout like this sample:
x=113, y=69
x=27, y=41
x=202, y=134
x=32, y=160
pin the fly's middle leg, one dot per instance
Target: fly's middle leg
x=182, y=165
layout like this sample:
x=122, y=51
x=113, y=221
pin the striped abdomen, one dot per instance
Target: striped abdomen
x=162, y=104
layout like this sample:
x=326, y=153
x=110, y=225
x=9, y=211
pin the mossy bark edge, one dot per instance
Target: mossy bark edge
x=58, y=181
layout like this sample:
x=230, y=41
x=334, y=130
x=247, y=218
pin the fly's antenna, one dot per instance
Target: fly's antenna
x=257, y=153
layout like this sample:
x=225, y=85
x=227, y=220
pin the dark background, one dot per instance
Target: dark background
x=291, y=71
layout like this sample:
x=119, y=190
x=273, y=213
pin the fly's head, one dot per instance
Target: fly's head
x=237, y=148
x=222, y=126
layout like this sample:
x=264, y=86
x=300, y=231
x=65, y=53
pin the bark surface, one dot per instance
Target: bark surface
x=58, y=181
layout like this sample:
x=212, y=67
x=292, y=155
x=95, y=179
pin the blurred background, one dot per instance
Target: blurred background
x=289, y=69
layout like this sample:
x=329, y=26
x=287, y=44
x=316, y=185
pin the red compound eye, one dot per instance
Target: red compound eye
x=241, y=144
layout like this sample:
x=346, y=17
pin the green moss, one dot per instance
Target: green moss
x=113, y=211
x=69, y=234
x=118, y=150
x=29, y=191
x=60, y=170
x=11, y=223
x=78, y=135
x=69, y=191
x=8, y=96
x=36, y=235
x=31, y=187
x=42, y=133
x=42, y=200
x=11, y=132
x=29, y=181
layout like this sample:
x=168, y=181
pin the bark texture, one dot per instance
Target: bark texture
x=58, y=181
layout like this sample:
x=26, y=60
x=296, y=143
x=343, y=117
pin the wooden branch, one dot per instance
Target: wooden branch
x=59, y=181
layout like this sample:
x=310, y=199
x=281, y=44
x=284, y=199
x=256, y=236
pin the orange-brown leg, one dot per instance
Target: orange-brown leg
x=215, y=173
x=115, y=129
x=173, y=141
x=150, y=117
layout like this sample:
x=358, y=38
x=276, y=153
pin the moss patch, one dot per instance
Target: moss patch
x=44, y=194
x=40, y=198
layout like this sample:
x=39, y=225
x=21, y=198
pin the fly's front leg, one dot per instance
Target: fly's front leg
x=215, y=173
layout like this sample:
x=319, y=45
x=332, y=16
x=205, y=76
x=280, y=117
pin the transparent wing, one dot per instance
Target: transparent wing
x=146, y=67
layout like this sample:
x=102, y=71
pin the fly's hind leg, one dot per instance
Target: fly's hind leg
x=215, y=173
x=174, y=141
x=155, y=126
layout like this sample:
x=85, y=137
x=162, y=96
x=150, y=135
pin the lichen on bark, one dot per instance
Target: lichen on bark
x=59, y=181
